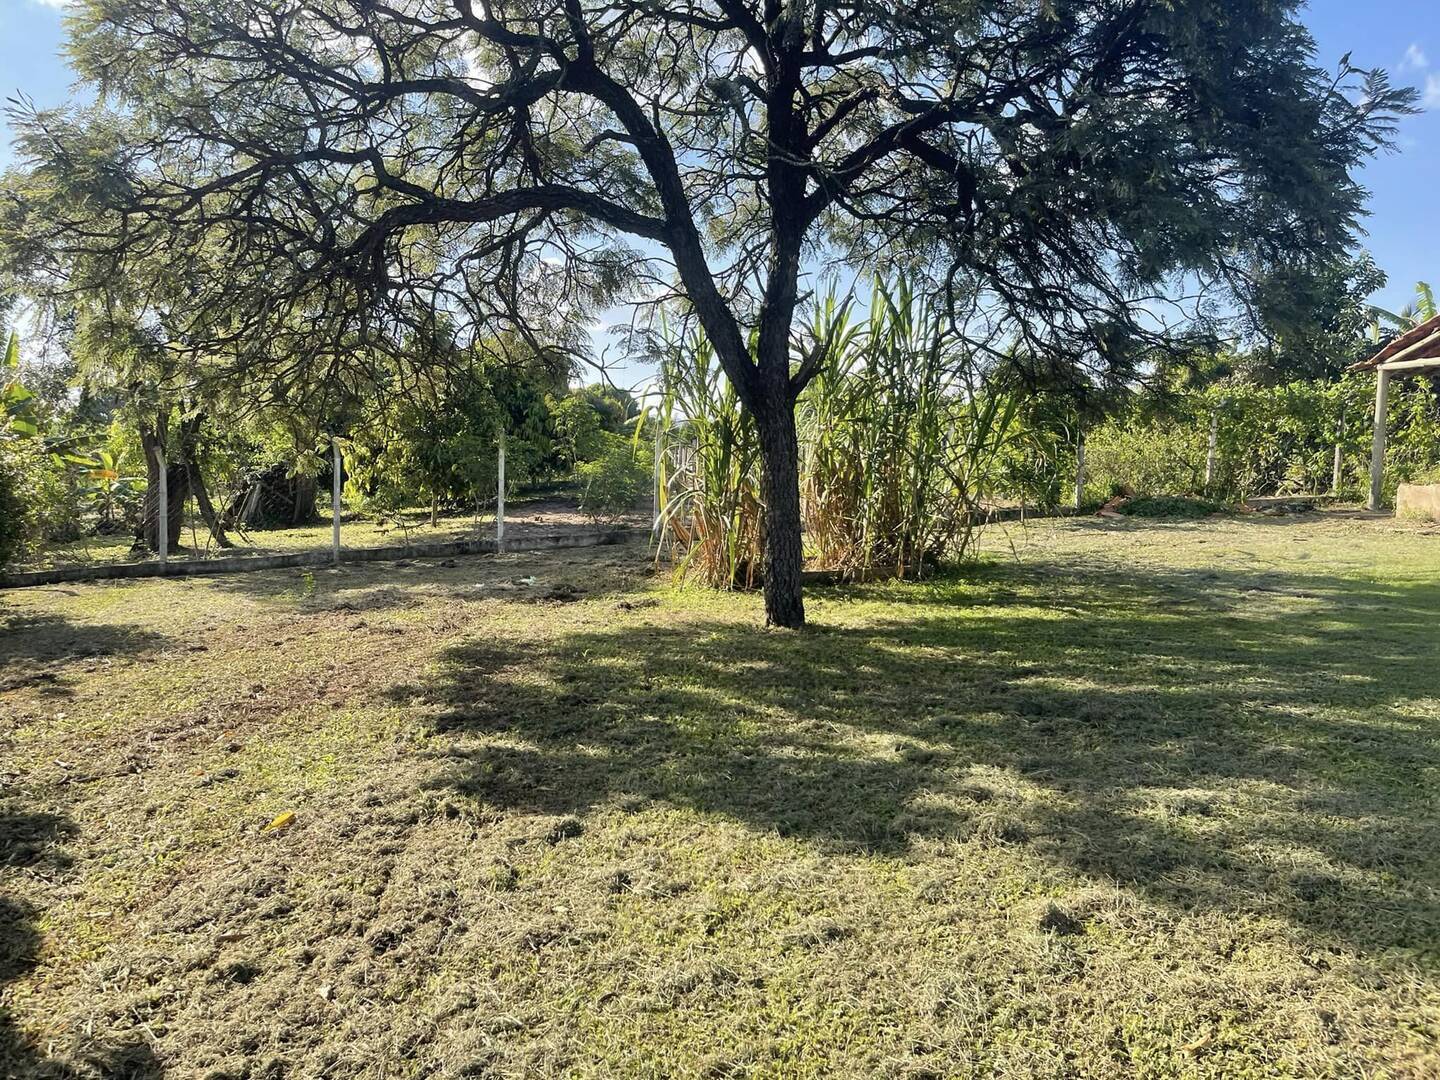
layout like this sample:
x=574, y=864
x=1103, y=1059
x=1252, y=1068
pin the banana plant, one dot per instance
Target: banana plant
x=1420, y=310
x=106, y=486
x=18, y=419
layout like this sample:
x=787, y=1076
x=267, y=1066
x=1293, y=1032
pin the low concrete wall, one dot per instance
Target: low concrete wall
x=1022, y=513
x=1418, y=501
x=839, y=577
x=239, y=564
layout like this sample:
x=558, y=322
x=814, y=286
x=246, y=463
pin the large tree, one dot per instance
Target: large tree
x=1068, y=171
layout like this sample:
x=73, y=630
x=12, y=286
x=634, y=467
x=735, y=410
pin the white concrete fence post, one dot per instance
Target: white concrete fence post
x=500, y=496
x=1336, y=467
x=162, y=509
x=656, y=493
x=335, y=500
x=1377, y=447
x=1211, y=449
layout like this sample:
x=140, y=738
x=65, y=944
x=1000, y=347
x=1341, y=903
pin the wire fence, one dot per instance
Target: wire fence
x=279, y=514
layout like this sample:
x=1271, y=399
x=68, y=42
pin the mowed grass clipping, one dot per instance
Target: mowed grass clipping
x=1125, y=799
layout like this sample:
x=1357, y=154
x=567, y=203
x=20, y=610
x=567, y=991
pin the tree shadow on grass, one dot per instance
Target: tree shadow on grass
x=28, y=845
x=35, y=653
x=35, y=649
x=1220, y=741
x=560, y=575
x=26, y=636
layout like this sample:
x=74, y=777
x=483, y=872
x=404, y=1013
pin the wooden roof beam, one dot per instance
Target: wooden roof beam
x=1402, y=361
x=1410, y=365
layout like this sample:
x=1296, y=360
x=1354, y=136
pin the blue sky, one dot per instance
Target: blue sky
x=1394, y=34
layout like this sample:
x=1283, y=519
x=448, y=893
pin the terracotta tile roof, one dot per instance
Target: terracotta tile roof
x=1430, y=328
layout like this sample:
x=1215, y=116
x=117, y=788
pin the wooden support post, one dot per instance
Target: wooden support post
x=1377, y=446
x=500, y=497
x=335, y=500
x=1210, y=450
x=162, y=509
x=1079, y=472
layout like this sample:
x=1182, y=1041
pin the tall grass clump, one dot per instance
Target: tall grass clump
x=902, y=436
x=708, y=481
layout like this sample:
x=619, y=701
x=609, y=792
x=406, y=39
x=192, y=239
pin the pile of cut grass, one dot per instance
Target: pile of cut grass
x=1169, y=507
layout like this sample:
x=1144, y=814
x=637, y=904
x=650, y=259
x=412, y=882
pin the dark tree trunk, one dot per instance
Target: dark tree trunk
x=780, y=489
x=189, y=442
x=207, y=508
x=774, y=409
x=177, y=489
x=304, y=506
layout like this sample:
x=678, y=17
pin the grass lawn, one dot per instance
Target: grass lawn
x=1125, y=799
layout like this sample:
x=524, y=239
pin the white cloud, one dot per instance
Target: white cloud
x=53, y=3
x=1415, y=58
x=1431, y=100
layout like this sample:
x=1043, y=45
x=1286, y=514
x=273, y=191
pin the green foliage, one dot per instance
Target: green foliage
x=44, y=471
x=41, y=497
x=15, y=507
x=614, y=480
x=1412, y=446
x=114, y=493
x=1269, y=440
x=902, y=437
x=578, y=429
x=440, y=445
x=1206, y=139
x=903, y=442
x=1036, y=463
x=17, y=403
x=578, y=420
x=1281, y=439
x=1142, y=456
x=615, y=408
x=1315, y=321
x=1385, y=323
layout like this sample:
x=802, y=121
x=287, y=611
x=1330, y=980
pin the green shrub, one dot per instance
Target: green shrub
x=613, y=482
x=1141, y=458
x=1270, y=440
x=578, y=434
x=41, y=501
x=15, y=517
